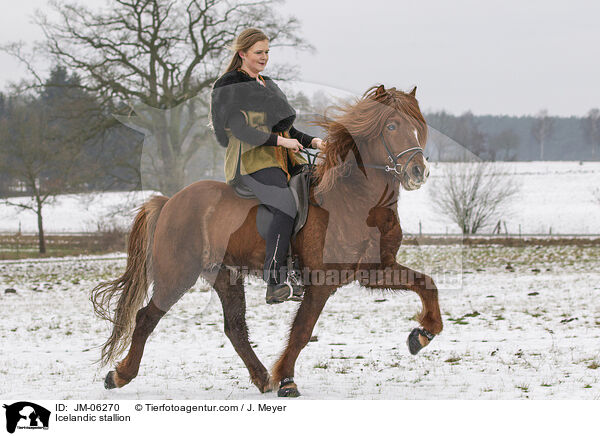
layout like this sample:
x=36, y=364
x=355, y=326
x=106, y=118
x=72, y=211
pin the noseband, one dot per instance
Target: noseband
x=397, y=169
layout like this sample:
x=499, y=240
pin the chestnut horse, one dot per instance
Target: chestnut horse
x=352, y=233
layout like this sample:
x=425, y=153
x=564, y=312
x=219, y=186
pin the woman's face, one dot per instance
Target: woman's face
x=254, y=60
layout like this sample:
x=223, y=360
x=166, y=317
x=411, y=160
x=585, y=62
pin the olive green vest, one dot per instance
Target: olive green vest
x=254, y=158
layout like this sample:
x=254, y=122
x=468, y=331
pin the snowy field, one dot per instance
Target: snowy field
x=554, y=196
x=530, y=332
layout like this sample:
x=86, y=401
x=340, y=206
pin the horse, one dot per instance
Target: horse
x=352, y=233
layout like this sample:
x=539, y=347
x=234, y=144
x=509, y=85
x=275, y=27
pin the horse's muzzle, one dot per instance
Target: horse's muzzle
x=415, y=176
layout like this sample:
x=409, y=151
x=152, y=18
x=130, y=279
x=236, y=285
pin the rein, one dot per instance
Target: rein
x=311, y=158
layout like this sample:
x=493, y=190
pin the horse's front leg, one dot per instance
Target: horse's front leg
x=401, y=277
x=315, y=298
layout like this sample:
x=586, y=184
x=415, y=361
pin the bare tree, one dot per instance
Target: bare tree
x=472, y=194
x=37, y=155
x=154, y=57
x=591, y=128
x=542, y=129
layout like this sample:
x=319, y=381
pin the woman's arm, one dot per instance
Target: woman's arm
x=301, y=137
x=241, y=130
x=307, y=140
x=250, y=135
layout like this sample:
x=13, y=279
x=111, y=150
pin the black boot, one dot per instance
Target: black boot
x=277, y=293
x=275, y=269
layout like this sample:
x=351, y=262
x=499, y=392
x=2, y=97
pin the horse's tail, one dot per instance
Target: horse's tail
x=131, y=288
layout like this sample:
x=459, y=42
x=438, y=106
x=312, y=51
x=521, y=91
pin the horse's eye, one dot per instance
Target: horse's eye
x=391, y=126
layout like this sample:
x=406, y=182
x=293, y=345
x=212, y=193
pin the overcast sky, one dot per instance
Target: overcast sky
x=491, y=57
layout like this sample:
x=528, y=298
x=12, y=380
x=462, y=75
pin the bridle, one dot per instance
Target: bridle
x=397, y=169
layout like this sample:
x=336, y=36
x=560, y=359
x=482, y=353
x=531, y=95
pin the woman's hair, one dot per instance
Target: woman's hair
x=243, y=42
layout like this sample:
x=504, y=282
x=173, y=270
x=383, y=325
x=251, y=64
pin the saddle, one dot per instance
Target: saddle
x=299, y=184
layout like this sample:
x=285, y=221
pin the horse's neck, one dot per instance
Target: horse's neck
x=356, y=189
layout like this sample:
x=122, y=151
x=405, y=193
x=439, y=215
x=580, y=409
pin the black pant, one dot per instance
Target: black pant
x=271, y=188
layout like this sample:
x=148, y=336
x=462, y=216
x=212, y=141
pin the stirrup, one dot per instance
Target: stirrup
x=294, y=277
x=277, y=293
x=297, y=293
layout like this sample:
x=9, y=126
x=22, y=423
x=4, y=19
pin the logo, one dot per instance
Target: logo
x=25, y=415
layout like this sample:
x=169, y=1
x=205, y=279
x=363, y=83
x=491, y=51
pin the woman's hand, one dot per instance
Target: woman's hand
x=318, y=144
x=289, y=143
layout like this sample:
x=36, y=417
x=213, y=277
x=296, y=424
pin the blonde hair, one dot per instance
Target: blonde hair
x=246, y=39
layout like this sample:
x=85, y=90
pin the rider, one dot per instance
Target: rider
x=253, y=119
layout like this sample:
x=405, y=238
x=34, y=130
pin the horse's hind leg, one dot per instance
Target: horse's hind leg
x=145, y=321
x=230, y=288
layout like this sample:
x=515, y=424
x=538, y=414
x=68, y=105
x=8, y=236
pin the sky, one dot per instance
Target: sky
x=490, y=57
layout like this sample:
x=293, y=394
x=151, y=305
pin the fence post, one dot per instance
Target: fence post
x=19, y=241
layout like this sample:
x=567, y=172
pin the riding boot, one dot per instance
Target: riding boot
x=275, y=268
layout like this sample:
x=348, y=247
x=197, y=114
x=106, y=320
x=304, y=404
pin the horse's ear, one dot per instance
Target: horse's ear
x=413, y=92
x=380, y=90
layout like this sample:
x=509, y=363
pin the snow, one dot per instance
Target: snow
x=554, y=196
x=528, y=333
x=75, y=213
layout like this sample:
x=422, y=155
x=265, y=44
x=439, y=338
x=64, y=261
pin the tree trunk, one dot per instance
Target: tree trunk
x=41, y=237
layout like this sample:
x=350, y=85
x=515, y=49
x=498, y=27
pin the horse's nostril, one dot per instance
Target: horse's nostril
x=417, y=172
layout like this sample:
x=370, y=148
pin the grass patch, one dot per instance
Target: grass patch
x=459, y=321
x=523, y=387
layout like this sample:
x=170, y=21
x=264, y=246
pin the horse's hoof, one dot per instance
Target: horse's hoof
x=288, y=392
x=288, y=388
x=109, y=381
x=265, y=386
x=413, y=342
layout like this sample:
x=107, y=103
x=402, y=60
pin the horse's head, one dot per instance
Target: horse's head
x=397, y=140
x=386, y=131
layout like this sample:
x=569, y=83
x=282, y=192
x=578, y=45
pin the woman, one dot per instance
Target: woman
x=253, y=119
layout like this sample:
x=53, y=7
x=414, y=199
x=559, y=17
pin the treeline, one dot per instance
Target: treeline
x=60, y=140
x=491, y=137
x=525, y=138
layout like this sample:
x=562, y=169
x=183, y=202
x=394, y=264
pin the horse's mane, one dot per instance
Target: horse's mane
x=362, y=121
